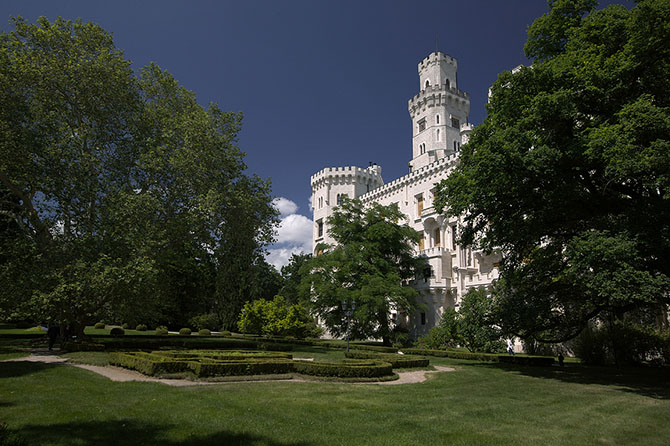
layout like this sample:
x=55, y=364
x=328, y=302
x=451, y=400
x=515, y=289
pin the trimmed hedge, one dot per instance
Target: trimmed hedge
x=204, y=332
x=223, y=355
x=348, y=369
x=374, y=348
x=185, y=332
x=542, y=361
x=99, y=325
x=158, y=363
x=82, y=347
x=161, y=331
x=396, y=361
x=141, y=327
x=117, y=331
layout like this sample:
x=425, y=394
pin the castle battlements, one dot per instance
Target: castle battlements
x=347, y=175
x=438, y=95
x=435, y=58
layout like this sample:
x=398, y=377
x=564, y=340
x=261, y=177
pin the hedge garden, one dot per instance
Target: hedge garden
x=206, y=364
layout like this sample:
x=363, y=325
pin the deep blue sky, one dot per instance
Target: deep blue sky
x=321, y=83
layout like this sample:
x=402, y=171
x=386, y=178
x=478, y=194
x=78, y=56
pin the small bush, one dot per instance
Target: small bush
x=141, y=327
x=117, y=331
x=125, y=326
x=225, y=332
x=99, y=325
x=161, y=331
x=185, y=331
x=204, y=332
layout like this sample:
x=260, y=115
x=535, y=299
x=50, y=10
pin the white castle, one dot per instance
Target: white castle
x=439, y=114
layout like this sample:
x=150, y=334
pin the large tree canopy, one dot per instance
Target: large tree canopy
x=373, y=256
x=121, y=196
x=569, y=175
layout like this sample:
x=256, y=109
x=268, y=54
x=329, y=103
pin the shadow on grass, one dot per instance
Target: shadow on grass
x=132, y=432
x=12, y=369
x=649, y=382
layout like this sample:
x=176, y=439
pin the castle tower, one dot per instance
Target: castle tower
x=438, y=111
x=330, y=185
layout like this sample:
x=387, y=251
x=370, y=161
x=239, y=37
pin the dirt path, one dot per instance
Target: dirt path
x=120, y=374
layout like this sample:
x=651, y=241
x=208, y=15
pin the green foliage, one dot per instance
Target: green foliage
x=204, y=332
x=620, y=342
x=161, y=331
x=476, y=325
x=209, y=321
x=542, y=361
x=99, y=325
x=567, y=178
x=114, y=186
x=117, y=331
x=141, y=327
x=292, y=275
x=225, y=333
x=185, y=331
x=276, y=317
x=9, y=438
x=396, y=360
x=372, y=258
x=352, y=369
x=445, y=335
x=125, y=326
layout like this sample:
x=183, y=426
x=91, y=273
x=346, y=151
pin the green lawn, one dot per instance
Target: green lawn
x=481, y=404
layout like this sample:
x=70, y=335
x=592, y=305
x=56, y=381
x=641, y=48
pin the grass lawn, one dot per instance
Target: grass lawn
x=480, y=403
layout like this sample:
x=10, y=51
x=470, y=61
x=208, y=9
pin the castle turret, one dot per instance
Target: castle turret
x=437, y=111
x=330, y=185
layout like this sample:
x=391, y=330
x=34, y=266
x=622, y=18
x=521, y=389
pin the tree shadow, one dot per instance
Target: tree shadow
x=13, y=369
x=132, y=432
x=645, y=381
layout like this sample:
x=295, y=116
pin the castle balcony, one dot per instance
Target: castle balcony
x=435, y=251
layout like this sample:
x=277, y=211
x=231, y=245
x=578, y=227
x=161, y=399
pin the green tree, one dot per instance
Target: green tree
x=568, y=176
x=131, y=198
x=476, y=323
x=292, y=274
x=276, y=317
x=372, y=258
x=446, y=334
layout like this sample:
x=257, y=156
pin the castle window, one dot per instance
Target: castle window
x=437, y=119
x=448, y=84
x=436, y=237
x=423, y=318
x=455, y=123
x=453, y=237
x=422, y=125
x=455, y=148
x=319, y=228
x=340, y=197
x=419, y=205
x=427, y=83
x=438, y=134
x=422, y=243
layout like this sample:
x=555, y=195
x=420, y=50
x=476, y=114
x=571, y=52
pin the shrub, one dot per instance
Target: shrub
x=396, y=361
x=225, y=332
x=400, y=336
x=141, y=327
x=161, y=331
x=125, y=326
x=277, y=317
x=99, y=325
x=475, y=326
x=204, y=332
x=117, y=331
x=445, y=335
x=349, y=369
x=208, y=321
x=185, y=331
x=493, y=357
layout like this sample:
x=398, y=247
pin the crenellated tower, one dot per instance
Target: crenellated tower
x=439, y=111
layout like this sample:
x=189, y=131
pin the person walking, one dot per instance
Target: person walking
x=52, y=334
x=510, y=347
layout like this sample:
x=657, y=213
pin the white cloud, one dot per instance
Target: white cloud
x=294, y=236
x=285, y=206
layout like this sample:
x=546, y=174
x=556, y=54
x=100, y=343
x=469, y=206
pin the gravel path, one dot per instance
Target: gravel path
x=123, y=375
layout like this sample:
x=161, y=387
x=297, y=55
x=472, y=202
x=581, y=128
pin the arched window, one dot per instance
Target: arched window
x=427, y=83
x=436, y=237
x=448, y=84
x=438, y=134
x=437, y=119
